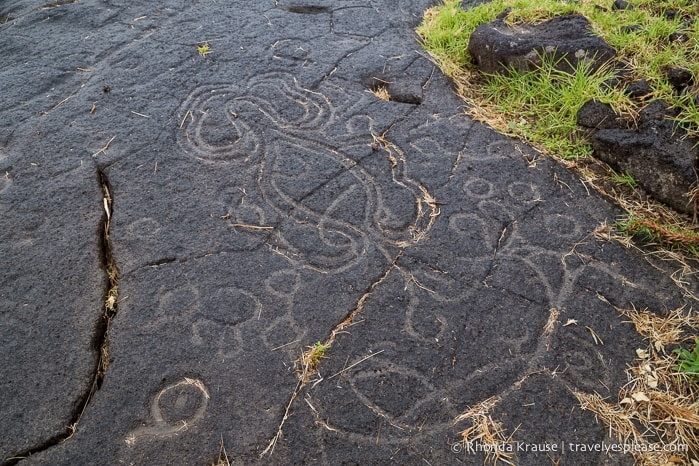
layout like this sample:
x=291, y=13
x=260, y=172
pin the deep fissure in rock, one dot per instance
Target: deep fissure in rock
x=101, y=337
x=112, y=287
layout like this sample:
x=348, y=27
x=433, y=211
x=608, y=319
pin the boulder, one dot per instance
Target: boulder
x=639, y=90
x=656, y=153
x=496, y=46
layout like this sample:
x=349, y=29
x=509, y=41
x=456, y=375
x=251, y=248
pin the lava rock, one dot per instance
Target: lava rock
x=679, y=78
x=497, y=47
x=621, y=5
x=640, y=90
x=597, y=115
x=630, y=29
x=400, y=87
x=670, y=14
x=679, y=37
x=658, y=112
x=656, y=154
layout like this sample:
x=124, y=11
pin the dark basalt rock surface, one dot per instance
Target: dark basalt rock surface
x=656, y=154
x=497, y=46
x=263, y=200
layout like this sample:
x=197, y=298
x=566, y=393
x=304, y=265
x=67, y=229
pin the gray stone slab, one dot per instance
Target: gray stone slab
x=262, y=196
x=52, y=288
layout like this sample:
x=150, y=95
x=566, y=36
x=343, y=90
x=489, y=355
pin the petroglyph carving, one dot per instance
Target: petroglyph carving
x=173, y=410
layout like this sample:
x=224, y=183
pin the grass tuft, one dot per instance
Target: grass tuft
x=668, y=235
x=688, y=361
x=624, y=179
x=541, y=106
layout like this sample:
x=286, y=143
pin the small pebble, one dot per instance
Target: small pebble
x=621, y=5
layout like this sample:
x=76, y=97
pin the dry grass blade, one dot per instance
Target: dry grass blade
x=396, y=157
x=685, y=277
x=381, y=93
x=614, y=416
x=222, y=456
x=251, y=227
x=665, y=234
x=104, y=148
x=484, y=430
x=658, y=409
x=658, y=329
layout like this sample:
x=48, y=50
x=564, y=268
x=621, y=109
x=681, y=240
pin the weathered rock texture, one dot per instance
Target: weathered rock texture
x=655, y=153
x=497, y=46
x=256, y=211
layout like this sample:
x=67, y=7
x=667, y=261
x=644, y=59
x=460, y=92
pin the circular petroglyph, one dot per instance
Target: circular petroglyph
x=524, y=192
x=283, y=283
x=179, y=302
x=230, y=306
x=144, y=228
x=478, y=188
x=563, y=226
x=185, y=400
x=174, y=409
x=215, y=328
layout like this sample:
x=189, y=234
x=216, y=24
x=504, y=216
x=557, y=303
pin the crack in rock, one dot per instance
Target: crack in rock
x=307, y=370
x=111, y=297
x=101, y=338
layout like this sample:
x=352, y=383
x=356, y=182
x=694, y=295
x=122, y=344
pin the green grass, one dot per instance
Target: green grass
x=670, y=236
x=203, y=49
x=316, y=354
x=624, y=179
x=542, y=106
x=688, y=361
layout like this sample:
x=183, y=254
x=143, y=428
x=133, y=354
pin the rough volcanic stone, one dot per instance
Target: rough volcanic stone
x=679, y=78
x=403, y=86
x=254, y=212
x=621, y=5
x=639, y=89
x=51, y=296
x=655, y=154
x=597, y=115
x=680, y=37
x=670, y=14
x=658, y=111
x=497, y=46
